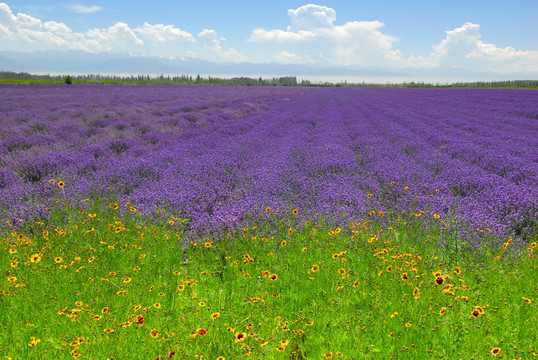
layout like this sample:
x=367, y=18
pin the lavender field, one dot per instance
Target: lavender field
x=222, y=155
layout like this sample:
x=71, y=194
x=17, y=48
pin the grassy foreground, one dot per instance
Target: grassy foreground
x=93, y=284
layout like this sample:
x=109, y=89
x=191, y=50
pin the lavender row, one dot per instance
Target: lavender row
x=212, y=154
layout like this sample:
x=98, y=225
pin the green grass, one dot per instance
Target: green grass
x=93, y=283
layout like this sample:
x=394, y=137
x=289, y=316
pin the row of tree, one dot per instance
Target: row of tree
x=27, y=78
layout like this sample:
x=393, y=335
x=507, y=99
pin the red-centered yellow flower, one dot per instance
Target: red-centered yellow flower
x=315, y=268
x=356, y=283
x=61, y=184
x=283, y=243
x=309, y=323
x=405, y=277
x=273, y=277
x=133, y=209
x=294, y=211
x=114, y=206
x=52, y=181
x=215, y=316
x=267, y=209
x=157, y=305
x=154, y=333
x=528, y=301
x=35, y=258
x=12, y=251
x=180, y=287
x=92, y=215
x=408, y=325
x=457, y=270
x=495, y=351
x=240, y=337
x=208, y=244
x=34, y=341
x=13, y=263
x=328, y=355
x=127, y=280
x=341, y=271
x=443, y=311
x=201, y=332
x=335, y=256
x=439, y=280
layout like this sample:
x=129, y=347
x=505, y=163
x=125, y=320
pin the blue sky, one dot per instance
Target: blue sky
x=472, y=34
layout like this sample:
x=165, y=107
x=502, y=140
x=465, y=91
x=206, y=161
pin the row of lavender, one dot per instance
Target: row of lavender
x=212, y=154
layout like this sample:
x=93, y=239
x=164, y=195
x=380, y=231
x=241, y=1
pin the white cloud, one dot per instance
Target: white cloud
x=285, y=57
x=213, y=44
x=117, y=34
x=261, y=35
x=162, y=33
x=313, y=34
x=462, y=48
x=31, y=30
x=81, y=9
x=311, y=17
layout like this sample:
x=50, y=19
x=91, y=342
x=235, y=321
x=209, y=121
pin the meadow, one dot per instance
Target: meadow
x=267, y=223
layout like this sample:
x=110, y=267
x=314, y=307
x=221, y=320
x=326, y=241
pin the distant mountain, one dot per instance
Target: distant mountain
x=80, y=62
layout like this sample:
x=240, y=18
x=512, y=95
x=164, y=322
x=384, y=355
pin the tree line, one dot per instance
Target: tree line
x=8, y=77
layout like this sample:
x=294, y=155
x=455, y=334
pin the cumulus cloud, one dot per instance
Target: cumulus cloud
x=213, y=44
x=81, y=9
x=160, y=33
x=313, y=34
x=312, y=31
x=462, y=48
x=31, y=30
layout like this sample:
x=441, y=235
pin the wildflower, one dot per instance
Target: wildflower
x=457, y=270
x=341, y=271
x=35, y=258
x=240, y=337
x=273, y=277
x=528, y=301
x=475, y=313
x=34, y=341
x=61, y=184
x=356, y=283
x=405, y=277
x=443, y=311
x=157, y=305
x=52, y=181
x=393, y=314
x=201, y=332
x=294, y=211
x=215, y=316
x=12, y=251
x=13, y=263
x=283, y=243
x=309, y=323
x=495, y=351
x=408, y=325
x=335, y=256
x=114, y=206
x=133, y=209
x=328, y=355
x=201, y=303
x=315, y=268
x=439, y=280
x=154, y=333
x=267, y=209
x=208, y=244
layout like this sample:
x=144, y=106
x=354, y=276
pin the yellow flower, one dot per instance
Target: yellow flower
x=61, y=184
x=35, y=258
